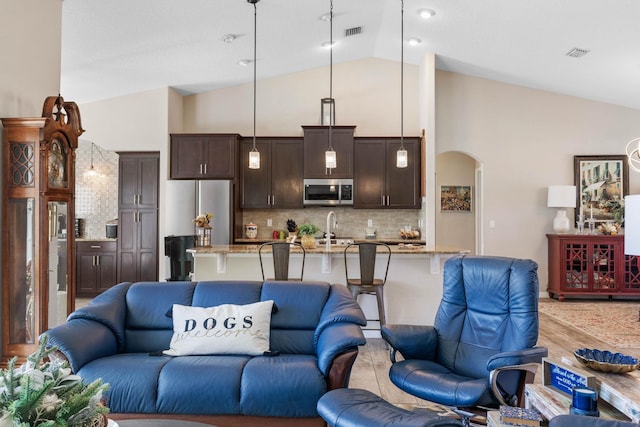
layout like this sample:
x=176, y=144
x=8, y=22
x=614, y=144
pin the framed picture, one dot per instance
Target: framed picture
x=601, y=184
x=455, y=198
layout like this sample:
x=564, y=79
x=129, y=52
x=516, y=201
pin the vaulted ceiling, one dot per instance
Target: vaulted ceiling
x=117, y=47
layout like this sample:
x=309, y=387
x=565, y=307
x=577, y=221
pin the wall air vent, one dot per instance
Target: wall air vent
x=576, y=52
x=352, y=31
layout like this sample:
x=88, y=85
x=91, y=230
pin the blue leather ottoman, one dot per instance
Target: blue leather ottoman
x=360, y=408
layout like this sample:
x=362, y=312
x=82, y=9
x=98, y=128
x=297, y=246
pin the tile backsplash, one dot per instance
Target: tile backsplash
x=351, y=222
x=97, y=195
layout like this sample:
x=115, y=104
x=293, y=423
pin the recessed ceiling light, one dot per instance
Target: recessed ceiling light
x=245, y=62
x=426, y=13
x=228, y=38
x=414, y=41
x=328, y=45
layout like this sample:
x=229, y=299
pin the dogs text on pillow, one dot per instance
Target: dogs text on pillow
x=223, y=329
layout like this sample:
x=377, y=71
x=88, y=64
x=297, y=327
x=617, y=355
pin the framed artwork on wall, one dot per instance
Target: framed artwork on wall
x=455, y=198
x=601, y=183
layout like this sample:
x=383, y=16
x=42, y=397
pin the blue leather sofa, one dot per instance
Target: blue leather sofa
x=119, y=337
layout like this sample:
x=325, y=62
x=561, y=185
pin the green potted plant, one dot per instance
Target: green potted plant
x=44, y=393
x=307, y=230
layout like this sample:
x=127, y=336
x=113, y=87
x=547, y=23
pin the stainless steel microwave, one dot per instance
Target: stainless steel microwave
x=328, y=192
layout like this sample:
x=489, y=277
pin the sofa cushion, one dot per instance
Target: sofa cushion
x=148, y=329
x=223, y=329
x=201, y=385
x=132, y=379
x=282, y=386
x=299, y=311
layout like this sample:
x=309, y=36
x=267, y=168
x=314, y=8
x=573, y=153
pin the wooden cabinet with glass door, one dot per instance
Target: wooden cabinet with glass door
x=591, y=264
x=38, y=249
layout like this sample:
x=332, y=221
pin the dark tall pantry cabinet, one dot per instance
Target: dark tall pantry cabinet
x=138, y=216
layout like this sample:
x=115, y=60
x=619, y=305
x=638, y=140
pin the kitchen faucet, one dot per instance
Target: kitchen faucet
x=327, y=246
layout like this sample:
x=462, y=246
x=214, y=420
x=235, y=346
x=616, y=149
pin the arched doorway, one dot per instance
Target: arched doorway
x=458, y=181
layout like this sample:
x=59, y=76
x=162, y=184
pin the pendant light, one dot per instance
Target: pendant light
x=91, y=172
x=402, y=160
x=254, y=154
x=330, y=158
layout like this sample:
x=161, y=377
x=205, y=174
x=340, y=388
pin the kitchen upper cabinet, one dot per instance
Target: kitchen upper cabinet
x=138, y=216
x=204, y=156
x=138, y=181
x=279, y=181
x=316, y=142
x=95, y=267
x=378, y=182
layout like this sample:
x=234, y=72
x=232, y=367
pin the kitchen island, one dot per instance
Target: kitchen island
x=414, y=283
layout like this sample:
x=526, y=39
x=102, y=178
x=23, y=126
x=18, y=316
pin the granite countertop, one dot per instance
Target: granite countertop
x=320, y=249
x=389, y=241
x=100, y=239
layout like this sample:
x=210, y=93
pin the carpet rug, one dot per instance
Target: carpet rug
x=614, y=322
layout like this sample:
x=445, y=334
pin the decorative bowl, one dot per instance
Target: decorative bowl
x=606, y=361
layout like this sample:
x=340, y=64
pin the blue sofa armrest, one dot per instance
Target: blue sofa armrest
x=335, y=340
x=510, y=358
x=412, y=341
x=340, y=307
x=97, y=340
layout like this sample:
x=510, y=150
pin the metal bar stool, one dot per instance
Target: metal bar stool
x=367, y=283
x=280, y=252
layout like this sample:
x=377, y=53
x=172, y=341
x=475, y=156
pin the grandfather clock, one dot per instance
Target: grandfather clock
x=38, y=242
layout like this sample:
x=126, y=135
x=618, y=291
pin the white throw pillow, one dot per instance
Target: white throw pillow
x=223, y=329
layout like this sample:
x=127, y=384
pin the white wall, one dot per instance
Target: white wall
x=367, y=94
x=525, y=139
x=30, y=69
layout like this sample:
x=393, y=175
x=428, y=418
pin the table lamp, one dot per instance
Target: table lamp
x=632, y=225
x=562, y=197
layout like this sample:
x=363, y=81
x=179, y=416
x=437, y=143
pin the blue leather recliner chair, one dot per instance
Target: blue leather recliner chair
x=481, y=351
x=482, y=348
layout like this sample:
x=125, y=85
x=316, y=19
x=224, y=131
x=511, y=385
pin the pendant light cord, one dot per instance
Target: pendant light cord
x=331, y=113
x=255, y=40
x=402, y=74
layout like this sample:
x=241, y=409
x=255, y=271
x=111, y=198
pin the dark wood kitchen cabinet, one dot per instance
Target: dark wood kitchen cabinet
x=138, y=216
x=203, y=156
x=279, y=181
x=591, y=264
x=316, y=142
x=95, y=267
x=378, y=182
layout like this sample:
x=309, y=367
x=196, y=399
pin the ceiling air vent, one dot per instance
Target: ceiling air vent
x=576, y=52
x=352, y=31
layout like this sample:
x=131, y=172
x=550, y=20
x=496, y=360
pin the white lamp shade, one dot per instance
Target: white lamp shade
x=330, y=159
x=561, y=196
x=402, y=158
x=254, y=159
x=632, y=225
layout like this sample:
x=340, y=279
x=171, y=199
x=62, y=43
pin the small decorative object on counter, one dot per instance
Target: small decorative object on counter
x=43, y=391
x=292, y=227
x=251, y=231
x=307, y=231
x=203, y=229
